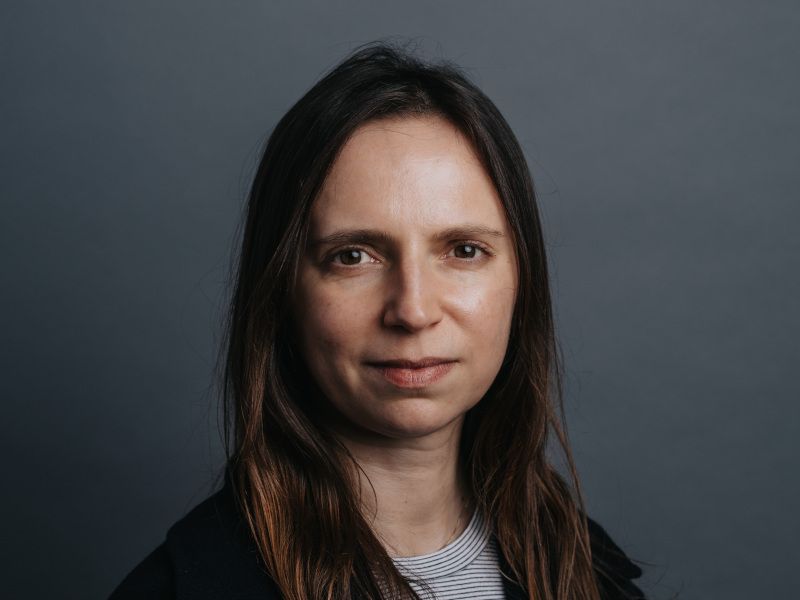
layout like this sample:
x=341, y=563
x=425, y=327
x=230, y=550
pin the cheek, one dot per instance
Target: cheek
x=330, y=323
x=489, y=314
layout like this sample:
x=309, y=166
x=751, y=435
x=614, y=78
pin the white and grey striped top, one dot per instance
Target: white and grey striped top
x=466, y=568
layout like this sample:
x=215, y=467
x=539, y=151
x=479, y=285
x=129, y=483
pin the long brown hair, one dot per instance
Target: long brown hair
x=294, y=481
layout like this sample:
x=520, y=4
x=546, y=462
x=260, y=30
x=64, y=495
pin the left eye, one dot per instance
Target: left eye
x=469, y=250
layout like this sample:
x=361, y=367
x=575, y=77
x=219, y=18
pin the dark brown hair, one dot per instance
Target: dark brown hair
x=294, y=481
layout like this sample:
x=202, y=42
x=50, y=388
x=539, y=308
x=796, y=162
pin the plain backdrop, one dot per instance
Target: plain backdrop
x=663, y=138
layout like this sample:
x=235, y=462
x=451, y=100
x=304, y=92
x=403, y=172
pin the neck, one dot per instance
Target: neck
x=419, y=503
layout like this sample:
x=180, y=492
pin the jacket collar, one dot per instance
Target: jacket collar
x=214, y=556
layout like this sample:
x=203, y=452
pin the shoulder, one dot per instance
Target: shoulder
x=151, y=579
x=614, y=570
x=209, y=554
x=206, y=554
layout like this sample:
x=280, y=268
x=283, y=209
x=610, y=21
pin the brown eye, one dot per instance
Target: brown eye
x=469, y=250
x=351, y=256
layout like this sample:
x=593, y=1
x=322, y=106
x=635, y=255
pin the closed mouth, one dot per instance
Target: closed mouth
x=411, y=364
x=413, y=374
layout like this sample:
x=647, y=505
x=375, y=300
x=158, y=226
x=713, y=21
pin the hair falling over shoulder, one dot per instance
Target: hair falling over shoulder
x=295, y=481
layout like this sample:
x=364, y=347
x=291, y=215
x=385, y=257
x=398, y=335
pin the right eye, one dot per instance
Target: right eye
x=348, y=256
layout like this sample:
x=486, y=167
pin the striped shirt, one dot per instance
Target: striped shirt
x=465, y=568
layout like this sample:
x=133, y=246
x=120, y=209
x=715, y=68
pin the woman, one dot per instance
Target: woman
x=391, y=377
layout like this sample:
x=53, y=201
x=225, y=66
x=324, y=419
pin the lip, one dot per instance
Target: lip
x=413, y=374
x=406, y=363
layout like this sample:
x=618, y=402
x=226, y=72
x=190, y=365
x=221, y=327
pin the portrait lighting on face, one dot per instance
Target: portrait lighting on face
x=407, y=287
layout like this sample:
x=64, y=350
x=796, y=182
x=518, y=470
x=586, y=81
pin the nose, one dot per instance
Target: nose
x=413, y=297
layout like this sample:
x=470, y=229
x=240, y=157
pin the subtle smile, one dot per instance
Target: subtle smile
x=413, y=374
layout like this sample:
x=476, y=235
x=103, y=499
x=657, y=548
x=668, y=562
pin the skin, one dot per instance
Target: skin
x=411, y=294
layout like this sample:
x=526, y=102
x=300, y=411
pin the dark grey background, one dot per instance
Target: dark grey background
x=664, y=139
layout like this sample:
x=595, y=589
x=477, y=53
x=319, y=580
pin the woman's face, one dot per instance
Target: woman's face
x=410, y=258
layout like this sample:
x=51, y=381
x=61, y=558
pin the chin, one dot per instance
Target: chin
x=419, y=420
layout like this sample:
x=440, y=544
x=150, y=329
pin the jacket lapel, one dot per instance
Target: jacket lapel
x=512, y=590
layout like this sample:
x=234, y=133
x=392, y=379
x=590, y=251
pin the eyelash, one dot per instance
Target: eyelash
x=477, y=245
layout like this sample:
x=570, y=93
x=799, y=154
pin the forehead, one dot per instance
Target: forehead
x=417, y=172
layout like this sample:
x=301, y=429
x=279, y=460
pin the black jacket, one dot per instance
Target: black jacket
x=209, y=554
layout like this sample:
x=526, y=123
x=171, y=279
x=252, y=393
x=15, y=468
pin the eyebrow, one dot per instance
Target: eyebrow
x=376, y=236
